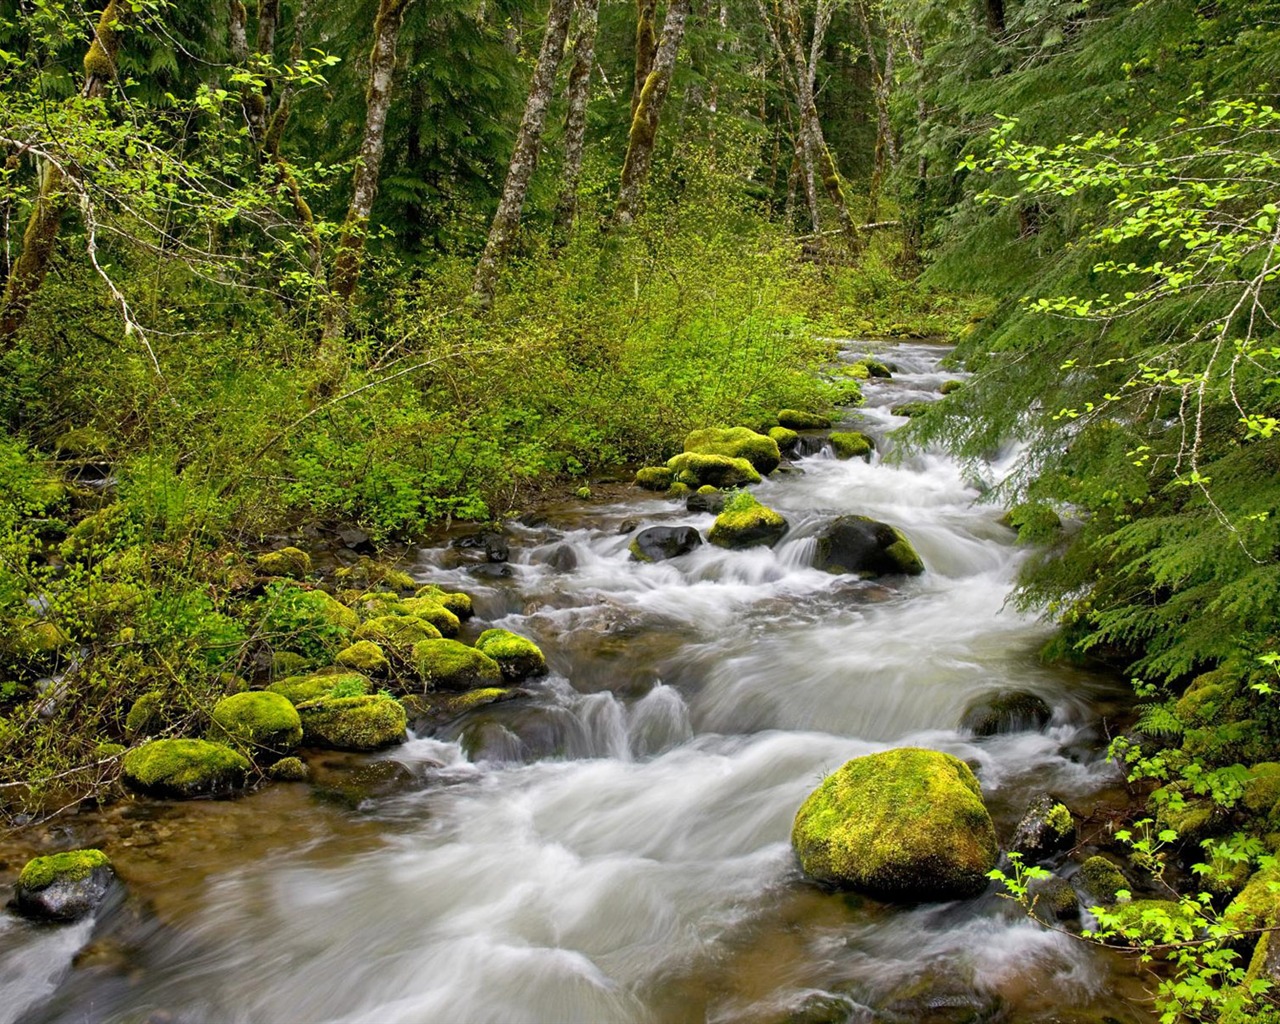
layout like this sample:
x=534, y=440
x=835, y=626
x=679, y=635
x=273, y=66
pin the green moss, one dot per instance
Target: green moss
x=300, y=689
x=184, y=768
x=260, y=720
x=71, y=866
x=370, y=573
x=678, y=491
x=38, y=637
x=146, y=716
x=289, y=769
x=909, y=409
x=903, y=824
x=854, y=371
x=1155, y=921
x=784, y=437
x=288, y=663
x=1059, y=820
x=1258, y=904
x=844, y=392
x=737, y=443
x=798, y=419
x=106, y=751
x=517, y=656
x=397, y=634
x=1262, y=790
x=449, y=665
x=1102, y=879
x=292, y=562
x=364, y=656
x=745, y=523
x=694, y=469
x=654, y=478
x=950, y=387
x=455, y=600
x=874, y=368
x=429, y=610
x=353, y=723
x=851, y=444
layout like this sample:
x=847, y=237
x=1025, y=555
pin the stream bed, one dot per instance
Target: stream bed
x=615, y=847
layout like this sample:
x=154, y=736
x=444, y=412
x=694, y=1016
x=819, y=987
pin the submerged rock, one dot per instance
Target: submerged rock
x=1005, y=711
x=739, y=443
x=866, y=547
x=658, y=543
x=745, y=523
x=353, y=723
x=63, y=886
x=907, y=824
x=518, y=657
x=185, y=768
x=265, y=723
x=1046, y=829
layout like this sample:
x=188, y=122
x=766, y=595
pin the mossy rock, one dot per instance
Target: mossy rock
x=678, y=491
x=865, y=547
x=371, y=722
x=852, y=444
x=910, y=409
x=397, y=634
x=455, y=600
x=1193, y=819
x=364, y=656
x=291, y=562
x=368, y=572
x=264, y=722
x=301, y=689
x=745, y=523
x=1258, y=903
x=694, y=469
x=659, y=543
x=1102, y=880
x=1053, y=899
x=288, y=663
x=845, y=392
x=63, y=886
x=1047, y=828
x=443, y=707
x=449, y=665
x=853, y=371
x=289, y=769
x=1159, y=921
x=147, y=716
x=798, y=419
x=655, y=478
x=36, y=638
x=1262, y=793
x=1005, y=711
x=950, y=387
x=518, y=657
x=738, y=443
x=907, y=824
x=430, y=610
x=875, y=368
x=785, y=438
x=333, y=611
x=185, y=768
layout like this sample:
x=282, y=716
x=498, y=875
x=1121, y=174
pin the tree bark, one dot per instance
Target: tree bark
x=995, y=17
x=886, y=154
x=646, y=48
x=524, y=160
x=644, y=123
x=364, y=186
x=41, y=234
x=575, y=131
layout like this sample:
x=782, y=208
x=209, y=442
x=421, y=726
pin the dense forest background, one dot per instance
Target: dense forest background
x=397, y=263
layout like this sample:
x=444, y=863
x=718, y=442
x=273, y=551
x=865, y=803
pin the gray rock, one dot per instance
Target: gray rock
x=865, y=547
x=658, y=543
x=1005, y=711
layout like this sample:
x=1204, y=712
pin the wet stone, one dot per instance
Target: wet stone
x=563, y=559
x=1004, y=712
x=658, y=543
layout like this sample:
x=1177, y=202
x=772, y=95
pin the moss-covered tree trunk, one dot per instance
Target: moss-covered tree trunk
x=575, y=130
x=524, y=160
x=29, y=269
x=644, y=122
x=886, y=152
x=364, y=186
x=646, y=47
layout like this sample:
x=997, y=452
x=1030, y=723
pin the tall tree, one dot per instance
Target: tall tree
x=364, y=186
x=644, y=122
x=886, y=152
x=575, y=131
x=524, y=159
x=646, y=47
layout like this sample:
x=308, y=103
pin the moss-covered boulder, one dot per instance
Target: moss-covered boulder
x=851, y=444
x=455, y=600
x=1102, y=880
x=658, y=543
x=396, y=634
x=1047, y=828
x=738, y=443
x=950, y=387
x=353, y=723
x=909, y=409
x=291, y=562
x=430, y=610
x=437, y=708
x=874, y=368
x=798, y=419
x=301, y=689
x=518, y=657
x=694, y=469
x=1053, y=899
x=1258, y=903
x=449, y=665
x=183, y=769
x=745, y=523
x=865, y=547
x=289, y=769
x=678, y=491
x=288, y=663
x=654, y=478
x=906, y=824
x=63, y=886
x=785, y=438
x=364, y=656
x=707, y=499
x=1156, y=921
x=1004, y=711
x=260, y=721
x=147, y=716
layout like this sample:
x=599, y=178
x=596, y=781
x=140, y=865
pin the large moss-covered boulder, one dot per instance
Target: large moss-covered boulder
x=655, y=478
x=363, y=656
x=371, y=722
x=292, y=562
x=906, y=824
x=658, y=543
x=745, y=523
x=798, y=419
x=396, y=634
x=449, y=665
x=185, y=768
x=865, y=547
x=785, y=438
x=694, y=469
x=851, y=444
x=63, y=886
x=263, y=722
x=429, y=610
x=300, y=689
x=518, y=657
x=455, y=600
x=738, y=443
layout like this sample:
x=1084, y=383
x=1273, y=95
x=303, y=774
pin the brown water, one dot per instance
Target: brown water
x=615, y=848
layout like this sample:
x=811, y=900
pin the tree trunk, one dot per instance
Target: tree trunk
x=644, y=123
x=882, y=79
x=31, y=266
x=646, y=48
x=575, y=131
x=995, y=17
x=364, y=185
x=524, y=160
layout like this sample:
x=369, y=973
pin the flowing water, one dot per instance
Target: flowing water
x=615, y=847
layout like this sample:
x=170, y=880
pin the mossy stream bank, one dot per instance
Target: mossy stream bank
x=614, y=845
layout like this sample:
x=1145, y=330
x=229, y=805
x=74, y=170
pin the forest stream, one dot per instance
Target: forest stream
x=614, y=847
